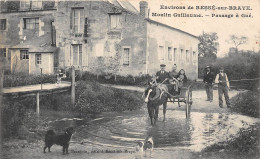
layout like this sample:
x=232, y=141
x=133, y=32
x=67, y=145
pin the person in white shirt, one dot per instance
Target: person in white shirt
x=223, y=87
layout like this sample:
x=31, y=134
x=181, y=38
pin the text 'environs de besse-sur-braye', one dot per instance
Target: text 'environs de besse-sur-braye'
x=213, y=7
x=205, y=8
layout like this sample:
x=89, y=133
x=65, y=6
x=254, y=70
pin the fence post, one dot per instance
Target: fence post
x=72, y=85
x=38, y=104
x=41, y=78
x=1, y=95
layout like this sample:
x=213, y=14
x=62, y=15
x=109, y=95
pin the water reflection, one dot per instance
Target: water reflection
x=196, y=133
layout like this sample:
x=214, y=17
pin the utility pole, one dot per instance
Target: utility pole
x=72, y=85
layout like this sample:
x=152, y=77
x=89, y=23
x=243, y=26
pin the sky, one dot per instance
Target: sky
x=223, y=26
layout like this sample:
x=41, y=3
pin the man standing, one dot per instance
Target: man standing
x=223, y=86
x=208, y=80
x=162, y=75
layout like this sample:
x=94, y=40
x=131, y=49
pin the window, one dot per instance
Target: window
x=25, y=4
x=170, y=53
x=31, y=23
x=181, y=56
x=24, y=54
x=9, y=54
x=175, y=54
x=3, y=24
x=78, y=20
x=77, y=54
x=126, y=56
x=3, y=52
x=38, y=59
x=37, y=4
x=115, y=21
x=194, y=57
x=53, y=34
x=31, y=4
x=161, y=53
x=187, y=56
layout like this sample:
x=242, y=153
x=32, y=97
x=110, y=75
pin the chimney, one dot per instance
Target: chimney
x=143, y=9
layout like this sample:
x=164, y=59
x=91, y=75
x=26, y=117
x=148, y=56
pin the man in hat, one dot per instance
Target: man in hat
x=223, y=87
x=162, y=75
x=208, y=80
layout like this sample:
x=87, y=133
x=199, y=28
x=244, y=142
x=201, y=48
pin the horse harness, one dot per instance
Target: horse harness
x=160, y=90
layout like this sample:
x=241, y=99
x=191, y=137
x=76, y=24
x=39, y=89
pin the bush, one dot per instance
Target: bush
x=19, y=79
x=119, y=80
x=245, y=145
x=12, y=118
x=91, y=97
x=242, y=65
x=246, y=103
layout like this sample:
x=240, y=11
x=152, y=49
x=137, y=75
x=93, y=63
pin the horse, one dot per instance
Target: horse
x=156, y=95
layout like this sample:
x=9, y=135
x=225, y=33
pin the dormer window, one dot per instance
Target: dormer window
x=36, y=4
x=30, y=4
x=25, y=4
x=115, y=21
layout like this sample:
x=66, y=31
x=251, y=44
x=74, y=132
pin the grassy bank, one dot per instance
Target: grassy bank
x=246, y=103
x=91, y=97
x=244, y=146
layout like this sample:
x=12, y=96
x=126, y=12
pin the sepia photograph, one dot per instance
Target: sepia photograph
x=129, y=79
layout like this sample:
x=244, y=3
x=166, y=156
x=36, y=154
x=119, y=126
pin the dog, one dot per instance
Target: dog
x=63, y=139
x=148, y=145
x=139, y=149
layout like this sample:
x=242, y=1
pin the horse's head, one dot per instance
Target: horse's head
x=150, y=92
x=153, y=82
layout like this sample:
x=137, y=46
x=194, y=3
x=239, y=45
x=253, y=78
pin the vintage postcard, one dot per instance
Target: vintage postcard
x=129, y=79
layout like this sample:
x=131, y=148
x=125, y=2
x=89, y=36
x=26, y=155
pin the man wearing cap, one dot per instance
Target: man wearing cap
x=208, y=80
x=162, y=75
x=223, y=87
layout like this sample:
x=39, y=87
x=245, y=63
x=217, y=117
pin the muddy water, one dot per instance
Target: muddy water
x=196, y=133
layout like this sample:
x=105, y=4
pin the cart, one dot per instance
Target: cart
x=184, y=96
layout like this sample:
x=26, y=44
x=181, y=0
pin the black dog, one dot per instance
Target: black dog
x=51, y=138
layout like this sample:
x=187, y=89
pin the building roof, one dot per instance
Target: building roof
x=128, y=6
x=125, y=5
x=38, y=44
x=170, y=27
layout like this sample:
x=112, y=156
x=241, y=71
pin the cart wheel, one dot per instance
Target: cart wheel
x=188, y=102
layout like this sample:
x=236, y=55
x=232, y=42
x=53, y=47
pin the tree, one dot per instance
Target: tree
x=208, y=45
x=112, y=63
x=107, y=65
x=98, y=66
x=238, y=41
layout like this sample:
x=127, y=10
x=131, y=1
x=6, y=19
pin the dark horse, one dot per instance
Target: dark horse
x=156, y=95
